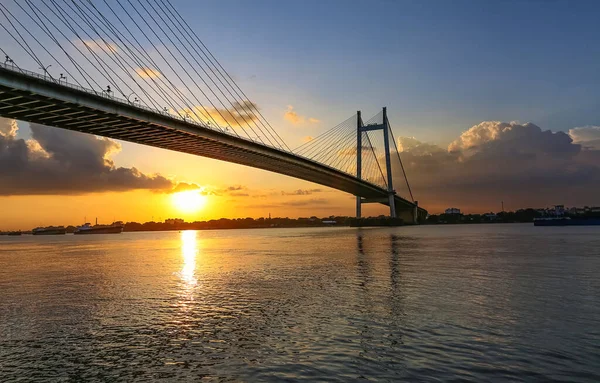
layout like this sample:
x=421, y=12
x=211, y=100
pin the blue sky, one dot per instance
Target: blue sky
x=440, y=66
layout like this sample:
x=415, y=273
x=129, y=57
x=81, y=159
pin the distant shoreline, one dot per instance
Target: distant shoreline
x=178, y=228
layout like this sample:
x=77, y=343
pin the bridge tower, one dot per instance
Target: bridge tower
x=385, y=127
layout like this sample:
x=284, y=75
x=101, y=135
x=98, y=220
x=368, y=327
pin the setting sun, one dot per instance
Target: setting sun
x=189, y=201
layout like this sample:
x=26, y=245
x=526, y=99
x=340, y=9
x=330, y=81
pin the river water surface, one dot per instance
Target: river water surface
x=429, y=303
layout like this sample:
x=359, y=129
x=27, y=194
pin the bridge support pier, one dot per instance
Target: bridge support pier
x=388, y=163
x=409, y=216
x=413, y=215
x=384, y=126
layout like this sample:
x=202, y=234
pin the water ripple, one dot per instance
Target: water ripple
x=459, y=303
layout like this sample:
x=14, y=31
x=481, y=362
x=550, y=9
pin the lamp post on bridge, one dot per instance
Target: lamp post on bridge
x=45, y=69
x=135, y=99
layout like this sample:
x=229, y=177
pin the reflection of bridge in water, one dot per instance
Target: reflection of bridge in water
x=231, y=129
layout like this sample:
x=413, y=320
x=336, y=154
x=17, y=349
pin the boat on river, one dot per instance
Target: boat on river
x=49, y=230
x=566, y=221
x=87, y=228
x=560, y=217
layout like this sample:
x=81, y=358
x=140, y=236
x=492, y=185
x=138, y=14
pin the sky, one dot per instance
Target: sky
x=490, y=102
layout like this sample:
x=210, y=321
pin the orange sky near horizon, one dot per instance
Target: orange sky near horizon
x=26, y=212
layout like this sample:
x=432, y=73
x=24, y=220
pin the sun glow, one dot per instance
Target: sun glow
x=189, y=251
x=189, y=201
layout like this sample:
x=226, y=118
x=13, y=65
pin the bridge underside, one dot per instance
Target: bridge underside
x=31, y=99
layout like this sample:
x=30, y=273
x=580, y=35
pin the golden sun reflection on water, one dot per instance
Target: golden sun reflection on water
x=189, y=252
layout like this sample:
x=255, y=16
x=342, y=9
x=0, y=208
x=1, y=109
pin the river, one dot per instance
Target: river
x=428, y=303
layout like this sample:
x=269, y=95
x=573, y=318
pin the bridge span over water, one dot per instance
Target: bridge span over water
x=136, y=71
x=27, y=96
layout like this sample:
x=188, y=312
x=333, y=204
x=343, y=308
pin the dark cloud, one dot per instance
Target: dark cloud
x=183, y=186
x=520, y=164
x=238, y=194
x=239, y=114
x=235, y=190
x=302, y=192
x=57, y=161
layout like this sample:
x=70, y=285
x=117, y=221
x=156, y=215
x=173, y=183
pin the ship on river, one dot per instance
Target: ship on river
x=49, y=230
x=87, y=228
x=560, y=217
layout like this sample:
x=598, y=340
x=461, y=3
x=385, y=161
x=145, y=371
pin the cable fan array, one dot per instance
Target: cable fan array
x=142, y=51
x=337, y=148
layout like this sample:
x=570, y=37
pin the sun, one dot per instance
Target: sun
x=189, y=201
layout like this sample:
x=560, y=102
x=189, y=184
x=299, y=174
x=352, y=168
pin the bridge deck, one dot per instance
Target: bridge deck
x=27, y=97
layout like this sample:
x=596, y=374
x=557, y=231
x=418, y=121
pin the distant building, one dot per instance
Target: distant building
x=329, y=222
x=174, y=221
x=452, y=210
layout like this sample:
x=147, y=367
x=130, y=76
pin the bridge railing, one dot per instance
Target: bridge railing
x=46, y=77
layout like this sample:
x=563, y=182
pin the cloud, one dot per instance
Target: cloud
x=520, y=164
x=308, y=139
x=302, y=204
x=183, y=186
x=585, y=133
x=57, y=161
x=351, y=151
x=512, y=138
x=307, y=202
x=146, y=72
x=240, y=114
x=238, y=194
x=411, y=144
x=302, y=192
x=587, y=136
x=292, y=116
x=237, y=191
x=97, y=46
x=8, y=128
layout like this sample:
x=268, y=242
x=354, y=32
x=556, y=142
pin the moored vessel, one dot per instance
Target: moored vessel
x=551, y=221
x=50, y=230
x=567, y=221
x=87, y=228
x=560, y=218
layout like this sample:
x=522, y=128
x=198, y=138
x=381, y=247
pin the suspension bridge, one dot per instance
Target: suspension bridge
x=134, y=70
